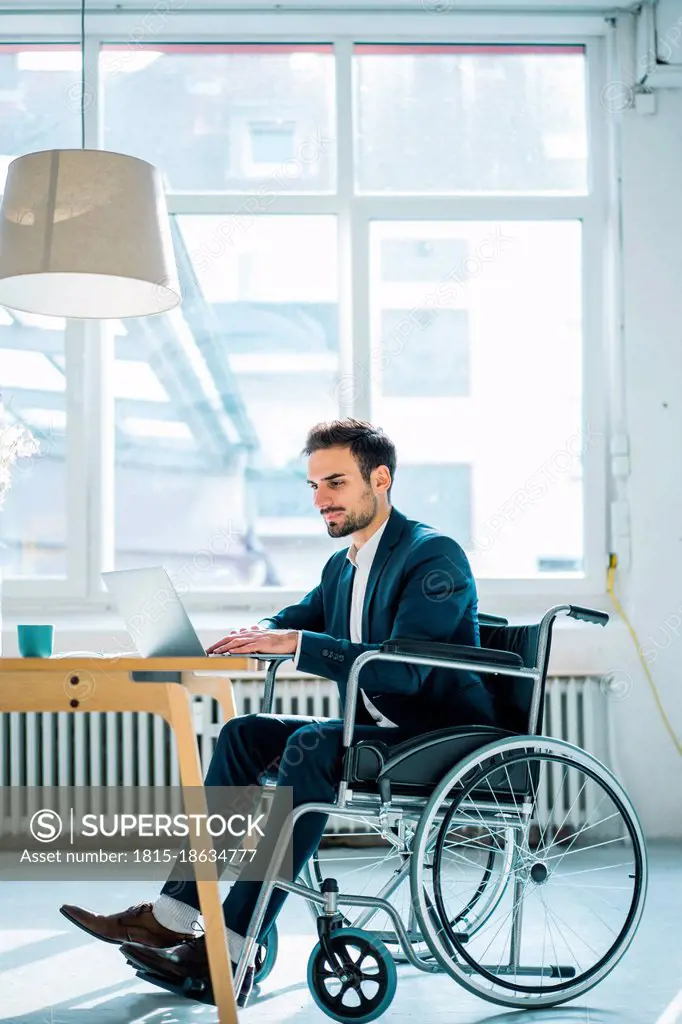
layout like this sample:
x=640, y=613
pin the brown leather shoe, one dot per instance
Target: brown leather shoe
x=184, y=970
x=136, y=924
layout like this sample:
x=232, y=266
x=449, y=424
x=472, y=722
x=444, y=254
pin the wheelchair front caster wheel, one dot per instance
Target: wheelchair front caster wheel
x=266, y=956
x=368, y=982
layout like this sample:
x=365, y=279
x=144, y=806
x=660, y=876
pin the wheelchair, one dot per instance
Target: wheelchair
x=512, y=861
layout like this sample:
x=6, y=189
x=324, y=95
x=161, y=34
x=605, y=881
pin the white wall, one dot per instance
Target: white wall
x=652, y=226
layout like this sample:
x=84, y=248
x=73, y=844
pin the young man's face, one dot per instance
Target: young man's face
x=346, y=502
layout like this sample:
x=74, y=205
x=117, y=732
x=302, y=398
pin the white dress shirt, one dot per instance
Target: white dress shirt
x=362, y=559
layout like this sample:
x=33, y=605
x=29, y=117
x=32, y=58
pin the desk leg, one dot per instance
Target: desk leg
x=225, y=697
x=219, y=688
x=209, y=894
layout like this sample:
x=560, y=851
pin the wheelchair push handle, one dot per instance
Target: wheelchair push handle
x=576, y=611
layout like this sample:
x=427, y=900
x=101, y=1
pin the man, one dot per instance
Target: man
x=399, y=578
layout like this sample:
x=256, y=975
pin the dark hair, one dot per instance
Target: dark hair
x=369, y=446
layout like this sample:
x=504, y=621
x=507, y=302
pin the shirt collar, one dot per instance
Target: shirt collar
x=362, y=557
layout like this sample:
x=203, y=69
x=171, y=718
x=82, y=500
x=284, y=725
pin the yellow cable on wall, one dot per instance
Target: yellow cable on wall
x=613, y=562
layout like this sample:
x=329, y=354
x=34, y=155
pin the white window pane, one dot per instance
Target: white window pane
x=135, y=379
x=225, y=117
x=272, y=143
x=33, y=394
x=210, y=483
x=39, y=92
x=49, y=60
x=46, y=323
x=140, y=427
x=476, y=376
x=439, y=495
x=44, y=418
x=471, y=119
x=28, y=370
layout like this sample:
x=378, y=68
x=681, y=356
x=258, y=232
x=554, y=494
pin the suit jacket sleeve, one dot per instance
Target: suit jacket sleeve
x=307, y=614
x=437, y=589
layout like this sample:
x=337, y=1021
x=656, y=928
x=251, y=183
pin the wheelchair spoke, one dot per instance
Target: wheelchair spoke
x=558, y=881
x=483, y=822
x=568, y=926
x=548, y=931
x=461, y=857
x=583, y=849
x=480, y=891
x=574, y=836
x=591, y=910
x=570, y=810
x=579, y=889
x=494, y=794
x=536, y=803
x=602, y=867
x=549, y=918
x=391, y=864
x=471, y=841
x=542, y=846
x=373, y=862
x=491, y=924
x=542, y=954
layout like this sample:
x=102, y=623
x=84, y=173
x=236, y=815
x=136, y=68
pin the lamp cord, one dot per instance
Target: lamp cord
x=82, y=74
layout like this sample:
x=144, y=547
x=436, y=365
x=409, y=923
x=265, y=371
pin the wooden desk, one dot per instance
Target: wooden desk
x=106, y=684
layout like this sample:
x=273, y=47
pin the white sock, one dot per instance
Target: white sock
x=236, y=943
x=181, y=917
x=174, y=915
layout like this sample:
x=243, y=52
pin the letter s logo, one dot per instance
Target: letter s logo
x=46, y=826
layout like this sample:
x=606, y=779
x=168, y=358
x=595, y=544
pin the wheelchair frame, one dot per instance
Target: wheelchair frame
x=371, y=805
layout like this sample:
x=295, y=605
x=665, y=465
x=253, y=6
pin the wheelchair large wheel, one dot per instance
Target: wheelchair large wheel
x=368, y=983
x=578, y=872
x=385, y=872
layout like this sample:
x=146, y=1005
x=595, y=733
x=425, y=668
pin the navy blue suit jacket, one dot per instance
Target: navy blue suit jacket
x=420, y=587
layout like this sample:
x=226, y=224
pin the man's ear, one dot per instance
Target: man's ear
x=382, y=478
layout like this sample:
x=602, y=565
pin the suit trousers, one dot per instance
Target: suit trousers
x=304, y=753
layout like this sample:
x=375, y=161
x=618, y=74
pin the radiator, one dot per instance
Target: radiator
x=136, y=749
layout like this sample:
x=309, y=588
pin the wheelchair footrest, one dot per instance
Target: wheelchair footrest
x=191, y=988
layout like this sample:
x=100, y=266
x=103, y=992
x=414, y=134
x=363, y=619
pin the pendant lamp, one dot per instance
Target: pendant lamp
x=84, y=233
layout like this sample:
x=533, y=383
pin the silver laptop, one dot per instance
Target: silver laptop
x=153, y=613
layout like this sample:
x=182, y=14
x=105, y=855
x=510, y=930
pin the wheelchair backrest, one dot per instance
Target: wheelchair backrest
x=512, y=696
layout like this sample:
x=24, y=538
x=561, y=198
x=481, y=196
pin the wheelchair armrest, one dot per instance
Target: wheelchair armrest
x=492, y=620
x=452, y=652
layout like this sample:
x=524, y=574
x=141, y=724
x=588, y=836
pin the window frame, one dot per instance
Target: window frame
x=90, y=442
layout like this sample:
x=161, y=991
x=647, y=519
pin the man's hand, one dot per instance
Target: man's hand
x=257, y=640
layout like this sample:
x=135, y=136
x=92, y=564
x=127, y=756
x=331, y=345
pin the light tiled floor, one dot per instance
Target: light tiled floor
x=51, y=973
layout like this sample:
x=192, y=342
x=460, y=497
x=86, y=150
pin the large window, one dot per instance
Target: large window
x=403, y=233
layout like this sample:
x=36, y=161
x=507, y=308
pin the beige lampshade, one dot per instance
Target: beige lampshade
x=85, y=233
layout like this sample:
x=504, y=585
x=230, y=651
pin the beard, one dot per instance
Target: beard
x=356, y=520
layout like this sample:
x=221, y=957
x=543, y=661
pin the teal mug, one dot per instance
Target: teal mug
x=35, y=641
